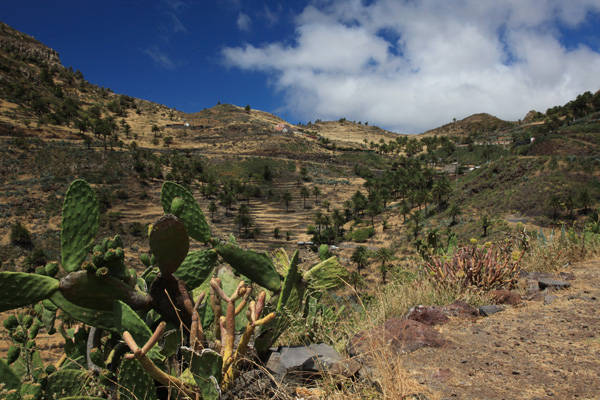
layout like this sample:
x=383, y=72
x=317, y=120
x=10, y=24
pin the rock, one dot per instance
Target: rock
x=396, y=335
x=552, y=284
x=549, y=299
x=428, y=315
x=461, y=309
x=486, y=311
x=503, y=296
x=314, y=360
x=442, y=375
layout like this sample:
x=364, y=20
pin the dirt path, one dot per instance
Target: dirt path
x=532, y=351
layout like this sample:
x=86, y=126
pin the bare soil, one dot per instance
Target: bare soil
x=532, y=351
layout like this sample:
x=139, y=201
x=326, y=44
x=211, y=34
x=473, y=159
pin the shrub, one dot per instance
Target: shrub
x=360, y=235
x=20, y=236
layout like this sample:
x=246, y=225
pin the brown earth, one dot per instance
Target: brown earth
x=531, y=351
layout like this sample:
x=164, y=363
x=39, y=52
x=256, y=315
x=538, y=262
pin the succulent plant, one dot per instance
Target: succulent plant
x=121, y=310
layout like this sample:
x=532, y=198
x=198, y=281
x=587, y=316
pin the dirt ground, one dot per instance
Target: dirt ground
x=532, y=351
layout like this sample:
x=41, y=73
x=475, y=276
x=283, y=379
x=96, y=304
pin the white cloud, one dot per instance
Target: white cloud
x=411, y=66
x=244, y=22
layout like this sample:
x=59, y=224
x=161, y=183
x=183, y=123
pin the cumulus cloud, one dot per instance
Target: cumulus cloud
x=411, y=66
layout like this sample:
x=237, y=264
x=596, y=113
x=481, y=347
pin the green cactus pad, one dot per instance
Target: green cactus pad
x=11, y=381
x=197, y=267
x=134, y=382
x=97, y=318
x=170, y=243
x=258, y=267
x=89, y=290
x=18, y=289
x=190, y=214
x=127, y=320
x=79, y=224
x=69, y=382
x=12, y=354
x=31, y=391
x=206, y=369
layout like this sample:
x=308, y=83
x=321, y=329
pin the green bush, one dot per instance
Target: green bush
x=360, y=235
x=20, y=236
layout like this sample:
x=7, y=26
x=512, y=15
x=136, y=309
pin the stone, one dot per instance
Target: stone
x=552, y=284
x=549, y=299
x=442, y=375
x=461, y=309
x=396, y=335
x=486, y=311
x=503, y=296
x=428, y=315
x=315, y=359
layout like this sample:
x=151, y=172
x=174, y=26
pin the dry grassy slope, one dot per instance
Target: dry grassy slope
x=474, y=123
x=350, y=132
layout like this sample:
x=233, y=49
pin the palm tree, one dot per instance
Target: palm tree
x=585, y=199
x=486, y=223
x=356, y=280
x=404, y=209
x=554, y=202
x=212, y=209
x=453, y=212
x=326, y=204
x=360, y=257
x=316, y=192
x=385, y=255
x=338, y=220
x=287, y=198
x=304, y=193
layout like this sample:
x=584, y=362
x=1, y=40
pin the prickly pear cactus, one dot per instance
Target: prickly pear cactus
x=258, y=267
x=127, y=320
x=205, y=367
x=190, y=213
x=10, y=380
x=97, y=318
x=88, y=290
x=110, y=255
x=19, y=289
x=69, y=382
x=134, y=382
x=197, y=267
x=79, y=224
x=170, y=243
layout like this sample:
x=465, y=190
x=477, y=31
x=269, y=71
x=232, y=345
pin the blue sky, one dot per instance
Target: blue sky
x=407, y=66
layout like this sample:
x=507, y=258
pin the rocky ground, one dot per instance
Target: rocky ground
x=547, y=347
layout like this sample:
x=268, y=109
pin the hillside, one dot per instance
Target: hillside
x=385, y=204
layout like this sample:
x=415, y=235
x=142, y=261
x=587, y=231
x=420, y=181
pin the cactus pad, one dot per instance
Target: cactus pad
x=97, y=318
x=69, y=382
x=134, y=382
x=206, y=369
x=127, y=320
x=79, y=224
x=190, y=213
x=170, y=243
x=257, y=267
x=197, y=267
x=19, y=289
x=12, y=382
x=89, y=290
